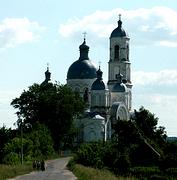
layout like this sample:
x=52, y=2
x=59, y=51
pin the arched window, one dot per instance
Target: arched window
x=116, y=52
x=86, y=95
x=127, y=52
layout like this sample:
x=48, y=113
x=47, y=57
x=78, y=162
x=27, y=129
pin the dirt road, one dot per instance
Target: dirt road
x=55, y=170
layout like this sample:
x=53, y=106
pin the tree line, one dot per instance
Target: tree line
x=45, y=117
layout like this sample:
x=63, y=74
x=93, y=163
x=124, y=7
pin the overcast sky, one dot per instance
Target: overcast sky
x=36, y=32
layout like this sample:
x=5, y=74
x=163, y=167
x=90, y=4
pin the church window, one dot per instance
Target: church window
x=127, y=52
x=86, y=95
x=116, y=52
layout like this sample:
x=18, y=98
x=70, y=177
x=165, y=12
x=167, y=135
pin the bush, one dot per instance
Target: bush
x=169, y=161
x=11, y=159
x=145, y=171
x=71, y=164
x=171, y=172
x=90, y=154
x=122, y=164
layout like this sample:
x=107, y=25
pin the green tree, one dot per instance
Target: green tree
x=140, y=138
x=42, y=143
x=36, y=144
x=6, y=134
x=12, y=150
x=50, y=104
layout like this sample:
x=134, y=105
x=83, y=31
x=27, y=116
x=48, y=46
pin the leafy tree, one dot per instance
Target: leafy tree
x=146, y=121
x=12, y=150
x=50, y=104
x=6, y=134
x=36, y=144
x=42, y=143
x=140, y=138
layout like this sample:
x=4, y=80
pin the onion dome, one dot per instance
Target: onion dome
x=119, y=86
x=98, y=84
x=83, y=68
x=47, y=77
x=119, y=31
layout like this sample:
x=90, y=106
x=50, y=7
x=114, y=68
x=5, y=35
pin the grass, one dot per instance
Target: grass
x=9, y=171
x=87, y=173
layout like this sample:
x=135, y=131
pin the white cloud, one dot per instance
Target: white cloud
x=155, y=26
x=163, y=106
x=164, y=77
x=14, y=31
x=168, y=43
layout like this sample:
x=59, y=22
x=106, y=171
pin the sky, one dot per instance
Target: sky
x=36, y=32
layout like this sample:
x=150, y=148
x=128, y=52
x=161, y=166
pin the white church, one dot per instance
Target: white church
x=105, y=103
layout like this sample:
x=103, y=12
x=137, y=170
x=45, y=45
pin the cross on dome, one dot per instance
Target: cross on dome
x=48, y=66
x=84, y=33
x=99, y=62
x=119, y=17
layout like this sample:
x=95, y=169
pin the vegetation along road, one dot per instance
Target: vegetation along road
x=55, y=169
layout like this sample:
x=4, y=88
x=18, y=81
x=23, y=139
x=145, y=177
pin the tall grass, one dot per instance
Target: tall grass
x=87, y=173
x=9, y=171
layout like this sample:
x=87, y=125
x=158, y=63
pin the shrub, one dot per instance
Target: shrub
x=171, y=172
x=121, y=164
x=11, y=159
x=145, y=171
x=90, y=154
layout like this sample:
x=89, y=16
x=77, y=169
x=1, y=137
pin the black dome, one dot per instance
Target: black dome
x=119, y=31
x=82, y=70
x=119, y=87
x=98, y=84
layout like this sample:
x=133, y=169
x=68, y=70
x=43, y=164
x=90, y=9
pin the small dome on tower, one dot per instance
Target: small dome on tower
x=119, y=86
x=83, y=68
x=119, y=31
x=83, y=46
x=47, y=77
x=98, y=84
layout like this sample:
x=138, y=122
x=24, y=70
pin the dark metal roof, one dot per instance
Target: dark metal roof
x=82, y=70
x=119, y=87
x=98, y=85
x=119, y=31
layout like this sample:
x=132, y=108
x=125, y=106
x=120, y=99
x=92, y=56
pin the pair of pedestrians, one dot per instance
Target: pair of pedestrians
x=39, y=165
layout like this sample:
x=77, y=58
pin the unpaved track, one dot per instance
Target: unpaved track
x=55, y=170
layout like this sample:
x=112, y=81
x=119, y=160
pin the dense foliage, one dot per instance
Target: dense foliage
x=50, y=104
x=6, y=134
x=45, y=123
x=36, y=144
x=138, y=147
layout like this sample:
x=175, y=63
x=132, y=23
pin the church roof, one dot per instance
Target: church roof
x=83, y=68
x=47, y=77
x=98, y=84
x=119, y=86
x=119, y=31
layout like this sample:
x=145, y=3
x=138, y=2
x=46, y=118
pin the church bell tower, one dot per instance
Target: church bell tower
x=119, y=59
